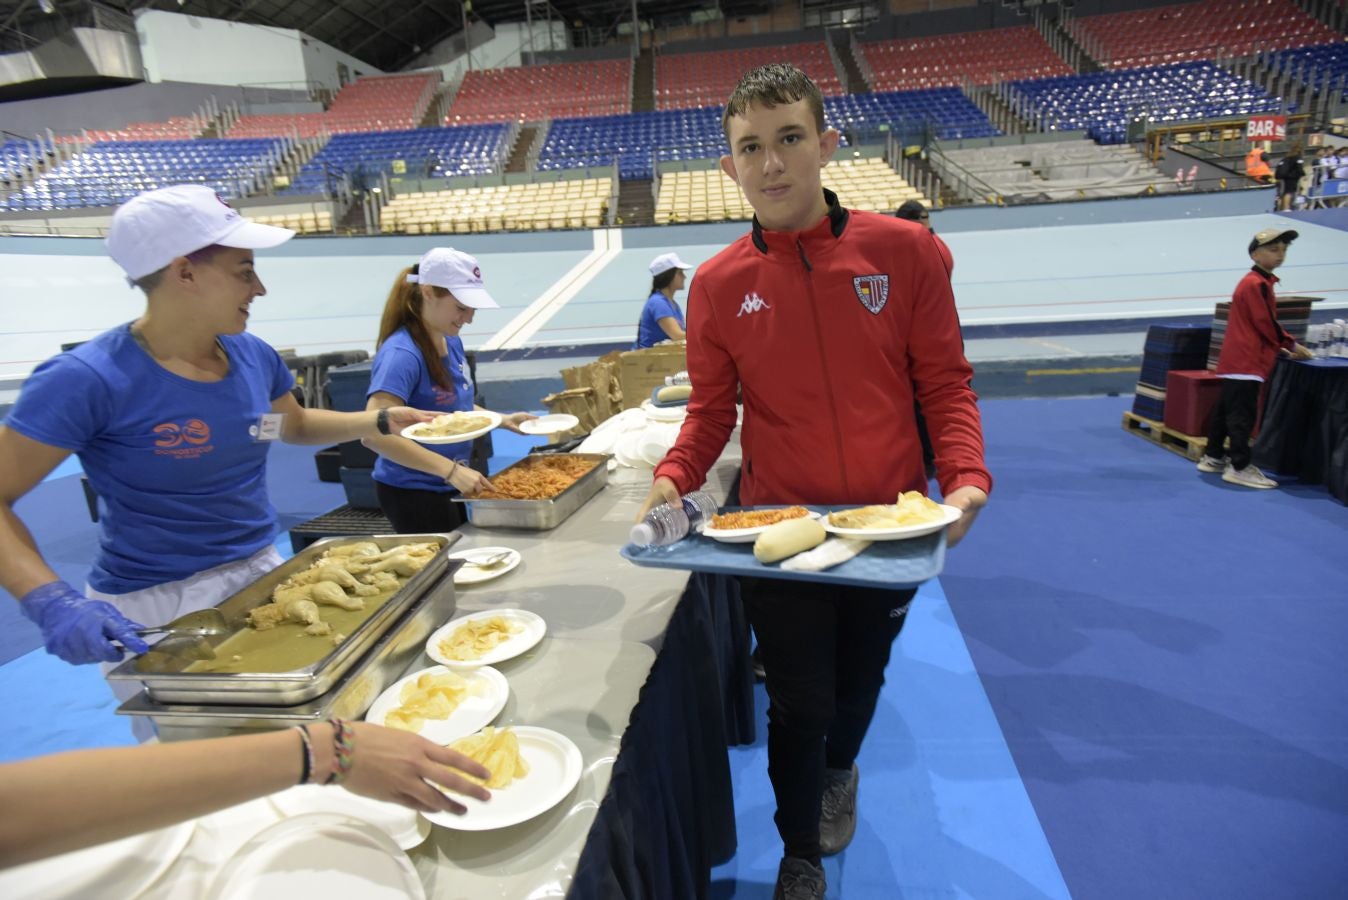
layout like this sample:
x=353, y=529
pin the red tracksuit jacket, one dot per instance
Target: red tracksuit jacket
x=830, y=333
x=1253, y=335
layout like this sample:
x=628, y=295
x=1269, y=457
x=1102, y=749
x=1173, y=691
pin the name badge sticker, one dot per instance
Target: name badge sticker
x=268, y=427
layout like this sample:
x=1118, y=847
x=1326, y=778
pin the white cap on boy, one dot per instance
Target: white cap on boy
x=152, y=229
x=456, y=272
x=666, y=261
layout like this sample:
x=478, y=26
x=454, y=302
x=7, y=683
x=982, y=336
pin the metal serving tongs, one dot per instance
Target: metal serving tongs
x=186, y=635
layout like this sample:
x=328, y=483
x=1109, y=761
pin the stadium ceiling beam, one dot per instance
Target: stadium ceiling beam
x=369, y=37
x=373, y=24
x=18, y=11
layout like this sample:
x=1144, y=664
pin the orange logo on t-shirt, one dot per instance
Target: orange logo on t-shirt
x=171, y=435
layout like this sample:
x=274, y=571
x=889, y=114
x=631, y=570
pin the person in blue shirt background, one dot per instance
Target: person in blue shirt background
x=171, y=416
x=420, y=361
x=661, y=318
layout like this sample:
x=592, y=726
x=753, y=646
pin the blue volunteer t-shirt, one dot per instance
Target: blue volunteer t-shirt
x=400, y=369
x=182, y=481
x=649, y=332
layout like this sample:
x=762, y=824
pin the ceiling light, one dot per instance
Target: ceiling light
x=46, y=6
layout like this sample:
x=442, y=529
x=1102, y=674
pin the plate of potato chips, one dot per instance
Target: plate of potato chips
x=533, y=769
x=914, y=515
x=441, y=704
x=485, y=638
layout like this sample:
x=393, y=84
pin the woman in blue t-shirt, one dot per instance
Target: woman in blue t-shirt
x=171, y=416
x=420, y=361
x=661, y=318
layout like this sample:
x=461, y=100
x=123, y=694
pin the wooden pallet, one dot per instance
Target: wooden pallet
x=1186, y=445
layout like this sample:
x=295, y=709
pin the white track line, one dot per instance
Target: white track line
x=608, y=243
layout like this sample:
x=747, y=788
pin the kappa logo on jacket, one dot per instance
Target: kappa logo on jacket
x=752, y=304
x=872, y=291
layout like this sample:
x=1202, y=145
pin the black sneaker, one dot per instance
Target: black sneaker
x=756, y=661
x=799, y=879
x=838, y=813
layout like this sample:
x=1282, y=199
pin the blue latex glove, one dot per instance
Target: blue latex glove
x=77, y=629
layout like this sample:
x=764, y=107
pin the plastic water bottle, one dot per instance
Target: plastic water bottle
x=667, y=523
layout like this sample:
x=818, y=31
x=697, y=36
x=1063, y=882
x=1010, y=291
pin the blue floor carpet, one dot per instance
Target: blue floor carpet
x=941, y=812
x=1164, y=653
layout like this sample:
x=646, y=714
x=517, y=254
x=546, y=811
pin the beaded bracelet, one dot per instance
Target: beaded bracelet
x=343, y=748
x=307, y=758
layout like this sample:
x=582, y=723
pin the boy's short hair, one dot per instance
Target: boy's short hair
x=773, y=85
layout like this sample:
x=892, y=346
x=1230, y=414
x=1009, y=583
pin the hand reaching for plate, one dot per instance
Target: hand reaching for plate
x=399, y=766
x=512, y=421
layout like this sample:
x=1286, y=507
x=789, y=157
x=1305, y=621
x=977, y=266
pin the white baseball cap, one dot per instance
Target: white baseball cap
x=666, y=261
x=152, y=229
x=456, y=272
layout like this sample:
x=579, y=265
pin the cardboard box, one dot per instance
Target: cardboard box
x=601, y=379
x=1190, y=398
x=642, y=371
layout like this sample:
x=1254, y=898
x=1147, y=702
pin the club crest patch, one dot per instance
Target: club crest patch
x=872, y=291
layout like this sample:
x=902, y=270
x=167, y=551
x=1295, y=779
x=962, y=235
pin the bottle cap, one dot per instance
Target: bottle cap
x=643, y=535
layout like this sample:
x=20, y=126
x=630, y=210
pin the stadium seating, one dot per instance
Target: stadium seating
x=1320, y=67
x=634, y=139
x=422, y=152
x=686, y=80
x=708, y=195
x=1103, y=103
x=1207, y=29
x=946, y=111
x=16, y=157
x=981, y=57
x=533, y=93
x=377, y=103
x=303, y=223
x=180, y=128
x=109, y=173
x=575, y=203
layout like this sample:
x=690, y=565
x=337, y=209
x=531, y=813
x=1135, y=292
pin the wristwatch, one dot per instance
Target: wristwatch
x=381, y=420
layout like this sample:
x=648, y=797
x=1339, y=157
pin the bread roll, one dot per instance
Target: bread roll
x=674, y=393
x=788, y=538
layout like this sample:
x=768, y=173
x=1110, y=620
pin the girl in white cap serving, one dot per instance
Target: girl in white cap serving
x=420, y=360
x=171, y=416
x=661, y=318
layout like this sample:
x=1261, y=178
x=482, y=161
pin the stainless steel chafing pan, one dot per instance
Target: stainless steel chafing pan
x=539, y=515
x=166, y=680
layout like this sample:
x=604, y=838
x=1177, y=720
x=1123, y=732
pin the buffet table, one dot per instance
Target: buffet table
x=1304, y=432
x=646, y=670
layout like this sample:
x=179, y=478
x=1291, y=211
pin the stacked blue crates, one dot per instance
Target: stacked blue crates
x=1168, y=347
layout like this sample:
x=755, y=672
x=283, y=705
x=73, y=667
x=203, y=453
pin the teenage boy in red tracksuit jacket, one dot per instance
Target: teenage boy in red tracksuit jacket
x=831, y=322
x=1254, y=338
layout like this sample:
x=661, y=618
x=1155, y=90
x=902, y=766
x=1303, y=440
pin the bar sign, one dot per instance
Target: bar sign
x=1267, y=128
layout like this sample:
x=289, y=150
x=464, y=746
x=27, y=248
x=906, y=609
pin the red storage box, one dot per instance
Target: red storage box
x=1190, y=396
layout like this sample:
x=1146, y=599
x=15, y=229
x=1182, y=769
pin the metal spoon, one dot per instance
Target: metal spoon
x=490, y=562
x=202, y=623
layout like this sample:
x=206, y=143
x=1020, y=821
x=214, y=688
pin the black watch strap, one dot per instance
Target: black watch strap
x=381, y=420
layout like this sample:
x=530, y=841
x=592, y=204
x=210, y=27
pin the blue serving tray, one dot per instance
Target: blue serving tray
x=891, y=565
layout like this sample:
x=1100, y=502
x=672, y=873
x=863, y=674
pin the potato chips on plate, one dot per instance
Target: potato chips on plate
x=440, y=704
x=485, y=638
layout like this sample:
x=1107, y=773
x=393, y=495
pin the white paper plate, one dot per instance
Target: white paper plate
x=473, y=574
x=469, y=716
x=511, y=647
x=319, y=855
x=664, y=413
x=555, y=766
x=550, y=424
x=411, y=431
x=743, y=535
x=950, y=514
x=403, y=825
x=126, y=867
